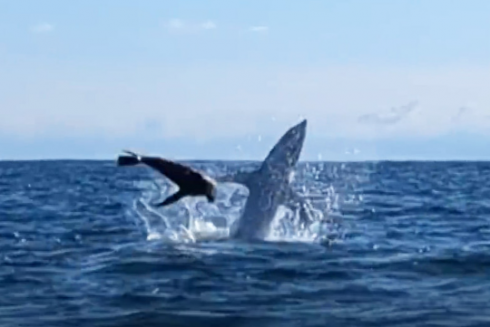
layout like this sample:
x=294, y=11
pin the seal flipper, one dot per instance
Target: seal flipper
x=171, y=199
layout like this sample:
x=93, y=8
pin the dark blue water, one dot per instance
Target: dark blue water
x=409, y=246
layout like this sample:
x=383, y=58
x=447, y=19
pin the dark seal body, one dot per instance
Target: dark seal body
x=189, y=181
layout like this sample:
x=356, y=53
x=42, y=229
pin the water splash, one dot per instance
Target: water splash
x=195, y=220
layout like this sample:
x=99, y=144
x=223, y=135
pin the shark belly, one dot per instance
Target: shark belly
x=269, y=186
x=260, y=210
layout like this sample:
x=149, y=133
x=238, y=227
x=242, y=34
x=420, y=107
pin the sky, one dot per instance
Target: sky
x=377, y=80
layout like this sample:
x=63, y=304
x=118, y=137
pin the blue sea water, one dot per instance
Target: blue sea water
x=400, y=244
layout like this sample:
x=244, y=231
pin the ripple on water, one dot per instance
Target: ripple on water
x=399, y=244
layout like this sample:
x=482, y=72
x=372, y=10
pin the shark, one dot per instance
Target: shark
x=269, y=187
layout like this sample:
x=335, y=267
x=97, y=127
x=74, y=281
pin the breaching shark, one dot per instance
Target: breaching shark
x=269, y=187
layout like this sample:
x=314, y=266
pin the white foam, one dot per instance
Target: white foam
x=192, y=224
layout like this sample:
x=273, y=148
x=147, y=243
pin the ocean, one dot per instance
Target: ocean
x=394, y=244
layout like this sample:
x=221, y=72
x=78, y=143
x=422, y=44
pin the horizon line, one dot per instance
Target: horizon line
x=259, y=160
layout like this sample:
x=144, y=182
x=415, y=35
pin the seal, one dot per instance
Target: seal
x=190, y=182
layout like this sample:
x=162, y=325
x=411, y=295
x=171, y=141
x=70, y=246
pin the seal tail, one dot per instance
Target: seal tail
x=127, y=160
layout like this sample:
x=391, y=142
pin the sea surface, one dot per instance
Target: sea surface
x=393, y=244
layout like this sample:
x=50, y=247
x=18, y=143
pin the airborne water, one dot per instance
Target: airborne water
x=394, y=244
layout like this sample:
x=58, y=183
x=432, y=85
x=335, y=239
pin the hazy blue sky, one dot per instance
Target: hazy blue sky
x=224, y=79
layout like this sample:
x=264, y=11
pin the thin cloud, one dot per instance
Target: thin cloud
x=209, y=25
x=259, y=29
x=467, y=115
x=176, y=23
x=179, y=25
x=42, y=28
x=390, y=118
x=460, y=113
x=38, y=104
